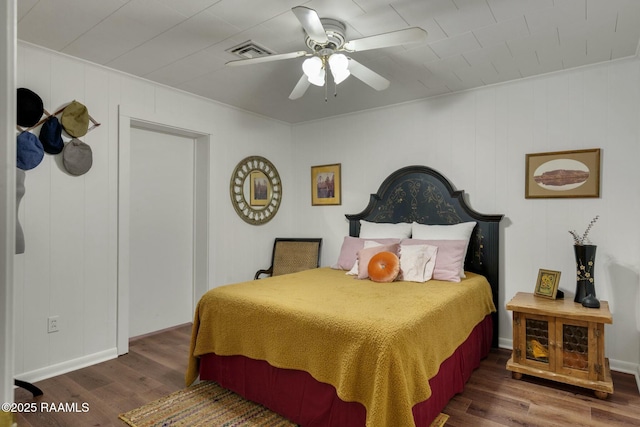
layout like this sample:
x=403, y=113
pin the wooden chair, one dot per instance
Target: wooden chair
x=291, y=255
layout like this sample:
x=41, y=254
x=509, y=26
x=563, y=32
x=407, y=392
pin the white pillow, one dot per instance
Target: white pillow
x=461, y=231
x=379, y=230
x=417, y=262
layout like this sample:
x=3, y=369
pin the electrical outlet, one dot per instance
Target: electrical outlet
x=52, y=324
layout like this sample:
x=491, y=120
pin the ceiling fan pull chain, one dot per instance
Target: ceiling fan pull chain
x=325, y=91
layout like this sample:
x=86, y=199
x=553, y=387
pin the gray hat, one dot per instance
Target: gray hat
x=77, y=157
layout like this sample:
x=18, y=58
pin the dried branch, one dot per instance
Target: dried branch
x=582, y=240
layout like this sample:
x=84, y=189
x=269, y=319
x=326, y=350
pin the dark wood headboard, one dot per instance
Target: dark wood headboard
x=423, y=195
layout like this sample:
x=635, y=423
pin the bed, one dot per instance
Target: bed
x=325, y=349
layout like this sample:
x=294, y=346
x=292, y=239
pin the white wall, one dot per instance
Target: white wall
x=69, y=267
x=478, y=139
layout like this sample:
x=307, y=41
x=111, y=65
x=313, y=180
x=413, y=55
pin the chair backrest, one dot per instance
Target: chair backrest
x=291, y=255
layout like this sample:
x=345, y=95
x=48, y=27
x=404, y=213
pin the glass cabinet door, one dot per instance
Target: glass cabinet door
x=537, y=340
x=577, y=349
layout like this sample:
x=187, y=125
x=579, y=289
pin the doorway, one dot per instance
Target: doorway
x=163, y=250
x=161, y=231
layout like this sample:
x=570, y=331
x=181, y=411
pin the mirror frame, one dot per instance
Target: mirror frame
x=241, y=201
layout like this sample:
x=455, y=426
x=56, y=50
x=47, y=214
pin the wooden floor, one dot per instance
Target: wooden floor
x=155, y=367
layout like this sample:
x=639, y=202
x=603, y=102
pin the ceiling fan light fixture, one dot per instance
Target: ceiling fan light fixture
x=340, y=76
x=339, y=65
x=318, y=79
x=313, y=69
x=312, y=66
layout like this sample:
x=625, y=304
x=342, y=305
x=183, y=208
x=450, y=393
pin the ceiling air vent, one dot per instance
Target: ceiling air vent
x=249, y=49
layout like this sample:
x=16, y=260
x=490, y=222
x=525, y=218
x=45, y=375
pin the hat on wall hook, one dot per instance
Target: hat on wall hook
x=51, y=135
x=77, y=157
x=75, y=119
x=29, y=107
x=29, y=151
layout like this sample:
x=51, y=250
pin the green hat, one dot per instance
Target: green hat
x=75, y=119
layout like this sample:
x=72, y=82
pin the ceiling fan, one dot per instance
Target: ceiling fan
x=325, y=38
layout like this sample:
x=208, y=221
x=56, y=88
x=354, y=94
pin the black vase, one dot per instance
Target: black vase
x=585, y=263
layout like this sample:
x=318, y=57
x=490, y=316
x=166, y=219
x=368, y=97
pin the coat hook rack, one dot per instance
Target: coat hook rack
x=94, y=123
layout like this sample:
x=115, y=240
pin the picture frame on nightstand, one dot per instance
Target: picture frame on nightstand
x=547, y=283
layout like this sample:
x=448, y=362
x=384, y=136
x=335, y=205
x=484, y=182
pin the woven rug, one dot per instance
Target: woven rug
x=208, y=404
x=440, y=420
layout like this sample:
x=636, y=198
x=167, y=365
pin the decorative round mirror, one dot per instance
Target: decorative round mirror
x=256, y=190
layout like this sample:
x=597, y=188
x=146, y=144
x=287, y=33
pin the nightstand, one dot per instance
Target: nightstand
x=560, y=340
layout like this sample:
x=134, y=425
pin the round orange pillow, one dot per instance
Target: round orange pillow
x=384, y=267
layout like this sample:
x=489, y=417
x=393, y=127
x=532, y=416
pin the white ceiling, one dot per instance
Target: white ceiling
x=470, y=43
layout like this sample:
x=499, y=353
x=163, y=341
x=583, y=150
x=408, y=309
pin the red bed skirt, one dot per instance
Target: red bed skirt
x=297, y=396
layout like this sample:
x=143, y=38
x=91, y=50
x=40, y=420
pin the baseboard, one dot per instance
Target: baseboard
x=68, y=366
x=506, y=343
x=625, y=367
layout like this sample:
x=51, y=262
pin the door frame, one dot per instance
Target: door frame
x=8, y=48
x=201, y=163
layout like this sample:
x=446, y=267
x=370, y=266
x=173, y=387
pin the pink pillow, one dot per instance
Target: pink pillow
x=365, y=255
x=450, y=258
x=350, y=248
x=460, y=231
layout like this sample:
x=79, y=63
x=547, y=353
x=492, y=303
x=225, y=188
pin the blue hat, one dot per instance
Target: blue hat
x=29, y=150
x=51, y=136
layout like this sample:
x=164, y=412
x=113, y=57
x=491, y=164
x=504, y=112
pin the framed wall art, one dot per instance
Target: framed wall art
x=326, y=185
x=563, y=174
x=255, y=190
x=547, y=283
x=259, y=189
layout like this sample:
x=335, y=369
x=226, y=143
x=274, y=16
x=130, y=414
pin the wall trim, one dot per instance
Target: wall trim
x=505, y=343
x=7, y=197
x=68, y=366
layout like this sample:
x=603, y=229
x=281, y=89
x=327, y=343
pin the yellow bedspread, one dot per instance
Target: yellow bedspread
x=376, y=343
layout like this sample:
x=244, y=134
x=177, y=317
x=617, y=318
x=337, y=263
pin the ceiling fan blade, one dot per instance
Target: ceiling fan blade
x=268, y=58
x=311, y=23
x=394, y=38
x=368, y=76
x=301, y=87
